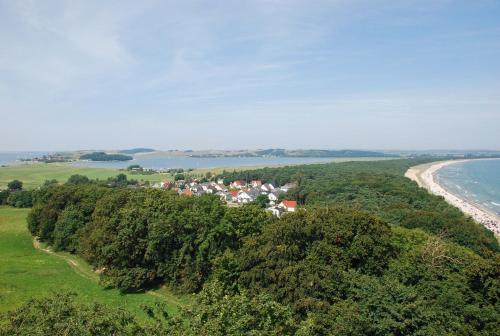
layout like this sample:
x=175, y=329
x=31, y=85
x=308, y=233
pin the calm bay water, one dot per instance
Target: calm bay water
x=477, y=181
x=10, y=158
x=161, y=161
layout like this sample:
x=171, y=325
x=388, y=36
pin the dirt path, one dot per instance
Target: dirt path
x=75, y=265
x=94, y=275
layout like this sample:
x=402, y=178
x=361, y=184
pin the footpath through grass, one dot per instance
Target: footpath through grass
x=27, y=272
x=33, y=175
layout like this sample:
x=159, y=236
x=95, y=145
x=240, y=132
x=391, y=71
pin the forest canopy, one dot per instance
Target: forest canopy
x=102, y=156
x=368, y=253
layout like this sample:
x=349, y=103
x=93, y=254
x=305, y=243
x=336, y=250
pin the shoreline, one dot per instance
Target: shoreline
x=425, y=176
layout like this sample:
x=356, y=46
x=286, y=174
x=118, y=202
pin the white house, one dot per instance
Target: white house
x=267, y=187
x=244, y=197
x=273, y=197
x=288, y=186
x=276, y=211
x=238, y=184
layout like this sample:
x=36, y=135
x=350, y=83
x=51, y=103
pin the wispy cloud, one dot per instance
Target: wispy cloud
x=278, y=62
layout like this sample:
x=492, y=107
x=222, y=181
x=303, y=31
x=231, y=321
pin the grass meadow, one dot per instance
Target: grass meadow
x=33, y=175
x=27, y=272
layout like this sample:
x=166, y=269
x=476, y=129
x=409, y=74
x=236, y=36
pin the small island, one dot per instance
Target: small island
x=289, y=153
x=102, y=156
x=137, y=151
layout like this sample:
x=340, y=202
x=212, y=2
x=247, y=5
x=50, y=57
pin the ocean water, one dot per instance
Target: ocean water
x=10, y=158
x=477, y=181
x=161, y=161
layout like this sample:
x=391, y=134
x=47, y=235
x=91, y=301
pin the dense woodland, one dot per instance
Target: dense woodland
x=102, y=156
x=370, y=253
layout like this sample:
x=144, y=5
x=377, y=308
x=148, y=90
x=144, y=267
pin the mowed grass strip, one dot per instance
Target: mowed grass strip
x=26, y=272
x=34, y=175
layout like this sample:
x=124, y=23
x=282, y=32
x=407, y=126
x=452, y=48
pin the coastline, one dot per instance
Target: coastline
x=425, y=176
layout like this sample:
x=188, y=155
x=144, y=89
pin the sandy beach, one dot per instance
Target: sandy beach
x=425, y=176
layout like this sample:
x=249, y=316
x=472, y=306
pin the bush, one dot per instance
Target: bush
x=4, y=195
x=62, y=315
x=20, y=199
x=78, y=179
x=15, y=185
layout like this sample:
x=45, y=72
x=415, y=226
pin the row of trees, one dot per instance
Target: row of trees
x=15, y=196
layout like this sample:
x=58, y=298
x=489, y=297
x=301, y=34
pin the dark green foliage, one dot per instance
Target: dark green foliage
x=4, y=195
x=68, y=223
x=78, y=179
x=15, y=185
x=134, y=167
x=142, y=237
x=49, y=183
x=214, y=313
x=370, y=253
x=102, y=156
x=15, y=196
x=218, y=313
x=60, y=315
x=51, y=201
x=146, y=236
x=20, y=199
x=262, y=201
x=380, y=189
x=302, y=259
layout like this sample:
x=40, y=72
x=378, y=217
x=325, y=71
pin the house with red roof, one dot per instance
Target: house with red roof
x=289, y=205
x=238, y=184
x=167, y=183
x=256, y=183
x=187, y=192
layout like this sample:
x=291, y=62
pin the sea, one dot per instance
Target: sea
x=477, y=181
x=12, y=158
x=162, y=161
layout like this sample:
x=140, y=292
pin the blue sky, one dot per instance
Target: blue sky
x=369, y=74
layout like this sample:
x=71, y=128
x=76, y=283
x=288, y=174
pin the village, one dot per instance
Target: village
x=238, y=193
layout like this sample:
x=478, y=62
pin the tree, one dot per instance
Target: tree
x=134, y=167
x=121, y=178
x=262, y=200
x=20, y=199
x=179, y=177
x=15, y=185
x=69, y=222
x=219, y=313
x=48, y=183
x=61, y=315
x=4, y=195
x=78, y=179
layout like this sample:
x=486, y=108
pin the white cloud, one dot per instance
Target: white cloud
x=288, y=63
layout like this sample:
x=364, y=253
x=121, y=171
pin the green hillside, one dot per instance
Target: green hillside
x=27, y=272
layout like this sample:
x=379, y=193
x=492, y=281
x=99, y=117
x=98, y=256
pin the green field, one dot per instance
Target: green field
x=33, y=175
x=27, y=272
